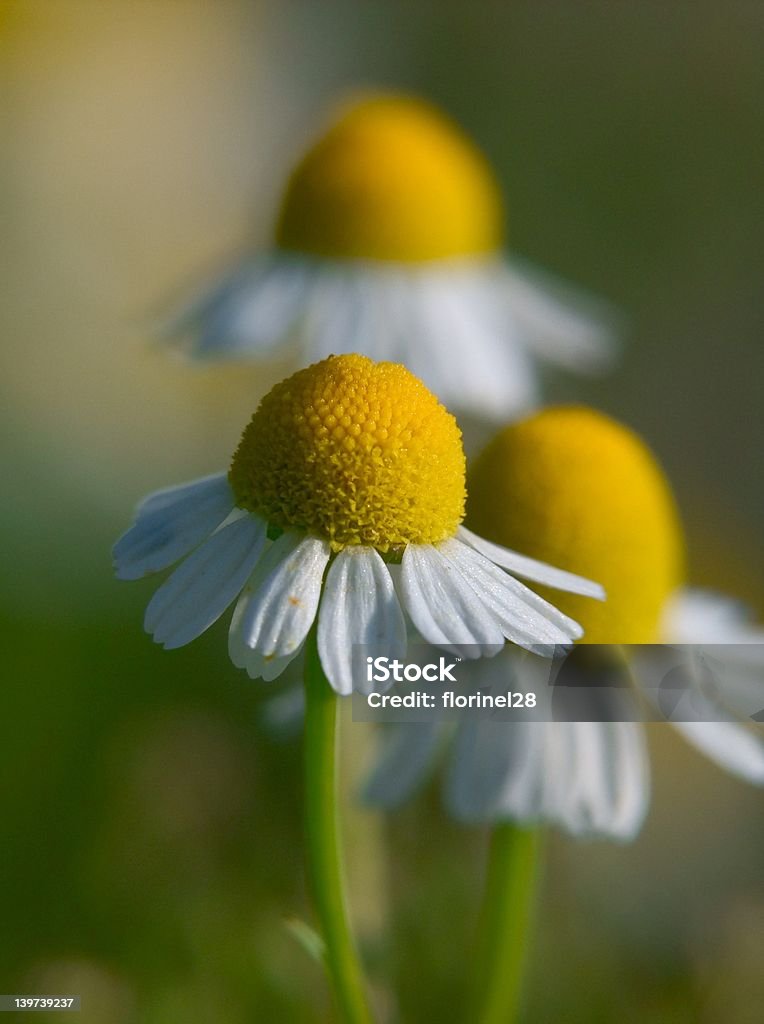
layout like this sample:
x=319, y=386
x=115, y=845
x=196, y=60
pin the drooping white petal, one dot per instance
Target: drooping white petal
x=193, y=490
x=496, y=771
x=703, y=698
x=497, y=767
x=259, y=666
x=204, y=300
x=444, y=607
x=558, y=322
x=604, y=787
x=705, y=707
x=732, y=676
x=395, y=328
x=262, y=317
x=255, y=664
x=432, y=320
x=731, y=642
x=471, y=328
x=373, y=297
x=279, y=603
x=249, y=310
x=712, y=692
x=470, y=360
x=350, y=302
x=408, y=750
x=696, y=616
x=730, y=744
x=531, y=569
x=525, y=618
x=170, y=523
x=205, y=584
x=333, y=314
x=589, y=778
x=359, y=606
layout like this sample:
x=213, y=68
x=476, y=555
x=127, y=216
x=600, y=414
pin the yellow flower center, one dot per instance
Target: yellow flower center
x=354, y=451
x=392, y=179
x=574, y=488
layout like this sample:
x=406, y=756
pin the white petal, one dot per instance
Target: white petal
x=589, y=778
x=559, y=322
x=205, y=299
x=377, y=320
x=279, y=603
x=205, y=584
x=695, y=616
x=258, y=316
x=604, y=787
x=359, y=606
x=433, y=320
x=470, y=328
x=443, y=606
x=250, y=311
x=470, y=360
x=722, y=632
x=530, y=569
x=729, y=744
x=170, y=523
x=268, y=669
x=498, y=767
x=403, y=763
x=395, y=326
x=168, y=497
x=496, y=771
x=732, y=675
x=711, y=686
x=333, y=314
x=525, y=618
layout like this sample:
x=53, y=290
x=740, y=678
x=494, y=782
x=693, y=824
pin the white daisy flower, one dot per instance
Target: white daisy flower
x=390, y=231
x=342, y=508
x=591, y=778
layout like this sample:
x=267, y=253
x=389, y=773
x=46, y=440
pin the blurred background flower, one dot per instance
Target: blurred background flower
x=388, y=240
x=143, y=141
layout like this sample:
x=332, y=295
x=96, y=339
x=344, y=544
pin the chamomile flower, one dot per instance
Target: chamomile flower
x=342, y=507
x=572, y=480
x=390, y=230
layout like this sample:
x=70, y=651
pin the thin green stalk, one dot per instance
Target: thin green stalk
x=324, y=857
x=505, y=922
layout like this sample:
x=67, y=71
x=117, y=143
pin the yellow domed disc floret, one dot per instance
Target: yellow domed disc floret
x=392, y=179
x=356, y=452
x=574, y=488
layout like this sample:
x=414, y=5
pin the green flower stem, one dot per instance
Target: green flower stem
x=323, y=844
x=505, y=922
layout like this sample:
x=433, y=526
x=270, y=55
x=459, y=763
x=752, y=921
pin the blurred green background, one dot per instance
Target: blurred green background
x=150, y=844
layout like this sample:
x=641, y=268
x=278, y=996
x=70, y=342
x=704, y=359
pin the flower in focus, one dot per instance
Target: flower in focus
x=342, y=505
x=573, y=486
x=390, y=230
